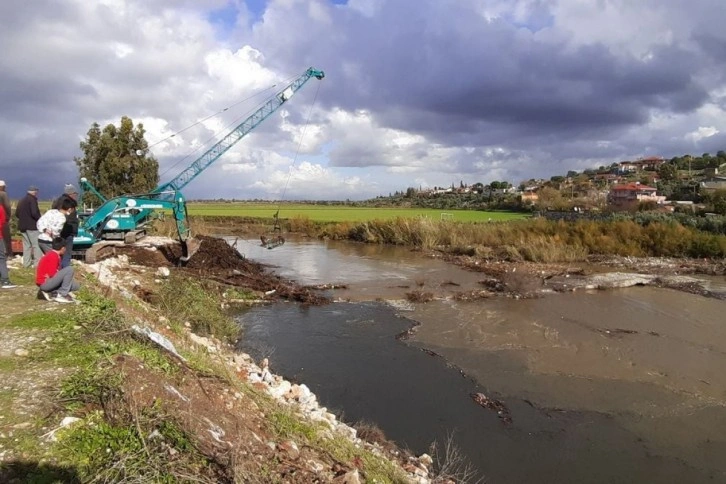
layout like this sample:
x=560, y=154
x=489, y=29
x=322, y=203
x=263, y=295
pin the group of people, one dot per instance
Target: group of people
x=47, y=241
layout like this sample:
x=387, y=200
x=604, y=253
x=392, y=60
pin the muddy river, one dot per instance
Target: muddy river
x=625, y=385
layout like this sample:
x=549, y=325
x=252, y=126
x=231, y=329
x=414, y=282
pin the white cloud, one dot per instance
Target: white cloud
x=701, y=133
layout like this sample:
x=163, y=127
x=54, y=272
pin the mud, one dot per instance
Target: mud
x=216, y=260
x=493, y=404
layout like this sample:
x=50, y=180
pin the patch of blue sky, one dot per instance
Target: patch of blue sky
x=534, y=23
x=224, y=19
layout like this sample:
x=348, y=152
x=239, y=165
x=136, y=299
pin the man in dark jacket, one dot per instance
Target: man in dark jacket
x=28, y=214
x=70, y=229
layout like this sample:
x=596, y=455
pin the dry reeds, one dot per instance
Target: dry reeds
x=543, y=240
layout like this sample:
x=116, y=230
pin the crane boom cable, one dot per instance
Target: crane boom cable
x=299, y=146
x=230, y=139
x=216, y=135
x=225, y=129
x=213, y=115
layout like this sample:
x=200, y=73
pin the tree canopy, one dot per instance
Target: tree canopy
x=117, y=160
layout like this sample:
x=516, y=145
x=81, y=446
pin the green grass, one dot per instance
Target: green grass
x=287, y=424
x=199, y=307
x=340, y=213
x=8, y=364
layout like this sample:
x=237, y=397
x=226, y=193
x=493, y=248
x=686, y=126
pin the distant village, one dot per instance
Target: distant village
x=652, y=183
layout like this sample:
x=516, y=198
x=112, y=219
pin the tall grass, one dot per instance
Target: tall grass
x=536, y=240
x=543, y=240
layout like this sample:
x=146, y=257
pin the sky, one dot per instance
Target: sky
x=417, y=93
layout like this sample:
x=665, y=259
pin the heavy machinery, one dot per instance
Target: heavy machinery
x=124, y=218
x=85, y=188
x=94, y=246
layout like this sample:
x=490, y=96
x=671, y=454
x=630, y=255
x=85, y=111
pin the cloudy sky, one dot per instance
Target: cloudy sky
x=417, y=93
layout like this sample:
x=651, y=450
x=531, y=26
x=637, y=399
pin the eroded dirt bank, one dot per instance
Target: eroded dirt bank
x=526, y=279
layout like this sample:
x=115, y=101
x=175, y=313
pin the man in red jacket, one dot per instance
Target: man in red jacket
x=50, y=277
x=4, y=280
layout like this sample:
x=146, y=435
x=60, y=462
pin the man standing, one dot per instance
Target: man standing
x=28, y=214
x=4, y=280
x=50, y=277
x=5, y=202
x=51, y=224
x=70, y=229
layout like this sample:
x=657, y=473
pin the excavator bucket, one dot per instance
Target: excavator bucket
x=273, y=242
x=189, y=248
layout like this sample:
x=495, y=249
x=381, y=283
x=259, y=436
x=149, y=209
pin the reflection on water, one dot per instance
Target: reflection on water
x=618, y=386
x=369, y=271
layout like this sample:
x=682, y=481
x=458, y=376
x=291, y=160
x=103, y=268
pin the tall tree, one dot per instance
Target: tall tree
x=117, y=160
x=668, y=171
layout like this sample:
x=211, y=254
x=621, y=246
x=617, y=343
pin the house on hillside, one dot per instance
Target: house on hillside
x=607, y=178
x=628, y=196
x=649, y=163
x=713, y=183
x=625, y=167
x=529, y=196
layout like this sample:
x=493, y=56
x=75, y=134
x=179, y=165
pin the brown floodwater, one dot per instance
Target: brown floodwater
x=625, y=385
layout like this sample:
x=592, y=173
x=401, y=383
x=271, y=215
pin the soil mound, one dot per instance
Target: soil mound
x=218, y=261
x=142, y=256
x=215, y=254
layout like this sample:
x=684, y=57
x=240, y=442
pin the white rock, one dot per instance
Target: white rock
x=163, y=272
x=254, y=377
x=315, y=466
x=279, y=390
x=21, y=352
x=267, y=376
x=351, y=477
x=426, y=460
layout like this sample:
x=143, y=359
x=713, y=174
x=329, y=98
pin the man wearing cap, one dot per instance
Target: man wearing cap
x=28, y=213
x=5, y=202
x=70, y=229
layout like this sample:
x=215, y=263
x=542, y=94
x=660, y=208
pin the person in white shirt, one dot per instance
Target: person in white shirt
x=52, y=222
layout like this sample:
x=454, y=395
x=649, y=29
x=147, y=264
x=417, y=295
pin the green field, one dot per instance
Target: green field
x=341, y=213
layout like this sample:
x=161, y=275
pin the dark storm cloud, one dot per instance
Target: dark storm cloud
x=23, y=99
x=508, y=77
x=442, y=70
x=713, y=44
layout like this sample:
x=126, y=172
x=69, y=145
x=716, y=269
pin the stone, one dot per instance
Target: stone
x=290, y=449
x=163, y=272
x=350, y=477
x=278, y=391
x=426, y=460
x=315, y=466
x=21, y=352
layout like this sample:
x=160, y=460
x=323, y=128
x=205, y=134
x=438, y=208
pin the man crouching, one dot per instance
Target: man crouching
x=50, y=277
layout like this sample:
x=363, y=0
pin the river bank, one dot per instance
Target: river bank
x=141, y=381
